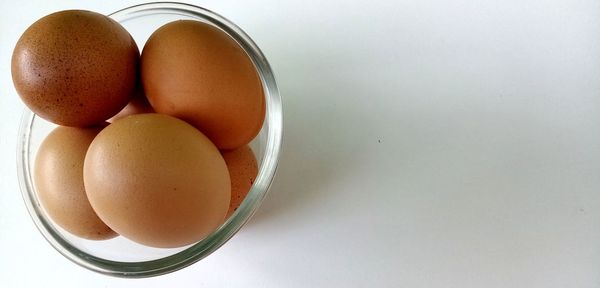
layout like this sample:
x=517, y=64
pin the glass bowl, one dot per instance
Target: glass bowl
x=120, y=256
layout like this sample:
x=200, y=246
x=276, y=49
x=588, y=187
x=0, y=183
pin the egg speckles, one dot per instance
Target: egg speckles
x=75, y=68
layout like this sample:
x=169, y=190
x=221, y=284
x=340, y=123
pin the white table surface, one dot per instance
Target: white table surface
x=427, y=144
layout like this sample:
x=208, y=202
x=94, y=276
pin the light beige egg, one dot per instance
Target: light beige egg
x=157, y=180
x=58, y=179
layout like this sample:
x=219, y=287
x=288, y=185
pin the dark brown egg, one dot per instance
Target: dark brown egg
x=75, y=68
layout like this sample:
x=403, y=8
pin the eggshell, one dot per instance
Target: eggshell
x=137, y=105
x=243, y=170
x=196, y=72
x=157, y=180
x=58, y=179
x=75, y=67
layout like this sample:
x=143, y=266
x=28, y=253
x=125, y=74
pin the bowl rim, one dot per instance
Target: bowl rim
x=196, y=252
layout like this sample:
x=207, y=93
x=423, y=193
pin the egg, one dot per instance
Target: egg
x=243, y=169
x=157, y=180
x=137, y=105
x=58, y=180
x=75, y=67
x=195, y=71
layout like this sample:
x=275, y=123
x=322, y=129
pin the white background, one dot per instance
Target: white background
x=427, y=144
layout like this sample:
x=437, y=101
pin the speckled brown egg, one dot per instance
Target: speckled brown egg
x=196, y=72
x=243, y=170
x=58, y=179
x=75, y=68
x=157, y=180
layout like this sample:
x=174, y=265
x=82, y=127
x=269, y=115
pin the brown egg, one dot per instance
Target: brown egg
x=75, y=68
x=196, y=72
x=137, y=105
x=157, y=180
x=58, y=179
x=243, y=169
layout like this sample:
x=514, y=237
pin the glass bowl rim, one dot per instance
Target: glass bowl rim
x=196, y=252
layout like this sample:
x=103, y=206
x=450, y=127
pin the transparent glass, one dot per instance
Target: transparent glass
x=119, y=256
